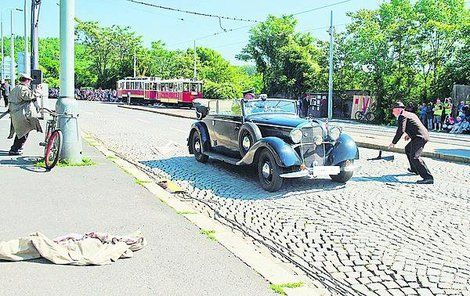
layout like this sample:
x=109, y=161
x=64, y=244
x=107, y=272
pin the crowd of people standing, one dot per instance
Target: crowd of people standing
x=104, y=95
x=444, y=116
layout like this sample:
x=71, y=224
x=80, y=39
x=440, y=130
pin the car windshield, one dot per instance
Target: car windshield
x=269, y=106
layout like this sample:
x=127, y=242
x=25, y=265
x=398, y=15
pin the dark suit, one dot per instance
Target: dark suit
x=410, y=124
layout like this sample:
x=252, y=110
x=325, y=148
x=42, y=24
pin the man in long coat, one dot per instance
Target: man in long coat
x=20, y=100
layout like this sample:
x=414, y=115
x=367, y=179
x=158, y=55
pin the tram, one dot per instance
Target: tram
x=151, y=90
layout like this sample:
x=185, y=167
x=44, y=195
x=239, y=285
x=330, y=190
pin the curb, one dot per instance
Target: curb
x=258, y=258
x=155, y=111
x=434, y=155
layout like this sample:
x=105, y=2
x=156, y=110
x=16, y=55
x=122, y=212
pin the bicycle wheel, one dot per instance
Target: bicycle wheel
x=359, y=115
x=53, y=148
x=370, y=116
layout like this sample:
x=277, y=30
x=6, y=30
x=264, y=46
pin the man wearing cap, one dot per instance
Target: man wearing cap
x=249, y=94
x=415, y=131
x=20, y=100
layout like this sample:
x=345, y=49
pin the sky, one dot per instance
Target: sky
x=178, y=30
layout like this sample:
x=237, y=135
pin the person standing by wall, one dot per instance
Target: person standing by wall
x=430, y=115
x=423, y=110
x=20, y=100
x=5, y=91
x=410, y=125
x=437, y=115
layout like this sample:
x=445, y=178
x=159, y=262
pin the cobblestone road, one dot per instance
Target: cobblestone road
x=380, y=234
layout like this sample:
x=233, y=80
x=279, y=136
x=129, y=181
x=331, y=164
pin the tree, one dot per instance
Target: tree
x=289, y=61
x=111, y=50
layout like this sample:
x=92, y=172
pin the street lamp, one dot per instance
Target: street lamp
x=12, y=49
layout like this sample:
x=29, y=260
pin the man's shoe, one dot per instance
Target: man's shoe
x=425, y=181
x=412, y=171
x=14, y=153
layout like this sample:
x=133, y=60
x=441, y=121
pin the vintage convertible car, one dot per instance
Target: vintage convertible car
x=268, y=134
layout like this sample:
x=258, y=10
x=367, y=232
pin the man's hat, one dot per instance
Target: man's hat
x=25, y=76
x=398, y=105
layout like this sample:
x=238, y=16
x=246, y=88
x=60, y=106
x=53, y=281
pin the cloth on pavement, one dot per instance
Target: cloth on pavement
x=92, y=248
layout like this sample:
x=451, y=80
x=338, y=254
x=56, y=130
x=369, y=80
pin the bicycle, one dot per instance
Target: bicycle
x=52, y=141
x=368, y=115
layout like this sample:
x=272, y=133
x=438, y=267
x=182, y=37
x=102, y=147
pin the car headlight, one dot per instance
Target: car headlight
x=296, y=135
x=334, y=133
x=318, y=140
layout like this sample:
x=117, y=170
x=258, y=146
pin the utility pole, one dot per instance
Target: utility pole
x=330, y=78
x=66, y=104
x=27, y=69
x=195, y=62
x=35, y=5
x=12, y=50
x=135, y=63
x=3, y=53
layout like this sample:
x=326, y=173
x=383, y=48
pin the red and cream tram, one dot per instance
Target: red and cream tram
x=151, y=90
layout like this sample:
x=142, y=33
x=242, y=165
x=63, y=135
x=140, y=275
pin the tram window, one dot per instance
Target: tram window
x=185, y=86
x=195, y=87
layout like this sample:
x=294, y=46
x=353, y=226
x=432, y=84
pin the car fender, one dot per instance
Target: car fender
x=344, y=149
x=284, y=154
x=253, y=130
x=204, y=132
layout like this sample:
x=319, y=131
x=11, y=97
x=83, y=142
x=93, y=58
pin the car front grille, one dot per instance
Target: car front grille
x=310, y=153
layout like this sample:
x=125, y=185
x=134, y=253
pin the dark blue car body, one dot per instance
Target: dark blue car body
x=242, y=138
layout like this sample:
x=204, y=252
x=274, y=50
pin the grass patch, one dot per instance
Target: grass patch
x=141, y=182
x=63, y=163
x=210, y=234
x=111, y=157
x=185, y=212
x=279, y=289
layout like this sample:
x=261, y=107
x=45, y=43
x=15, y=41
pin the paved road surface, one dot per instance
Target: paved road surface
x=379, y=234
x=177, y=261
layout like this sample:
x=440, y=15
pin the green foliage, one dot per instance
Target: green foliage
x=415, y=50
x=279, y=289
x=289, y=61
x=405, y=50
x=210, y=234
x=64, y=163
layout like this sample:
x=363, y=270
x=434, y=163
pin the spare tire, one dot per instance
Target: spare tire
x=249, y=134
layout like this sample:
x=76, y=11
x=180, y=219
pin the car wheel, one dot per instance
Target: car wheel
x=343, y=176
x=269, y=172
x=249, y=134
x=246, y=141
x=197, y=148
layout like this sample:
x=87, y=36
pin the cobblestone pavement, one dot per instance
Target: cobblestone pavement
x=380, y=234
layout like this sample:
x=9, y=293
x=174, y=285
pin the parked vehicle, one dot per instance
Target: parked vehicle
x=269, y=135
x=151, y=90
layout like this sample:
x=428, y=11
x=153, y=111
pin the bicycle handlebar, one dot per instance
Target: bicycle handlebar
x=54, y=113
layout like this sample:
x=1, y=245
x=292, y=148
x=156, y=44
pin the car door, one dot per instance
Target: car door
x=225, y=127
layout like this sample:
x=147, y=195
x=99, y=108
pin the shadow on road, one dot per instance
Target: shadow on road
x=236, y=182
x=22, y=162
x=385, y=179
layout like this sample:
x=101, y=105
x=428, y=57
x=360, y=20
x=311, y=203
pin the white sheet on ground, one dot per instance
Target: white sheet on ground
x=92, y=248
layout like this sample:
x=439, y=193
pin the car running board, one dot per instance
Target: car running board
x=223, y=158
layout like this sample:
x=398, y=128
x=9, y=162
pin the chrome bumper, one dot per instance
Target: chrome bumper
x=317, y=171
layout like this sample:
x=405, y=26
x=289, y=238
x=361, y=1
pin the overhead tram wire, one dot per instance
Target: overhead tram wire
x=238, y=28
x=193, y=12
x=320, y=7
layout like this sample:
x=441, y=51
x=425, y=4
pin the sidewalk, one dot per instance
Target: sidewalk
x=177, y=261
x=441, y=146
